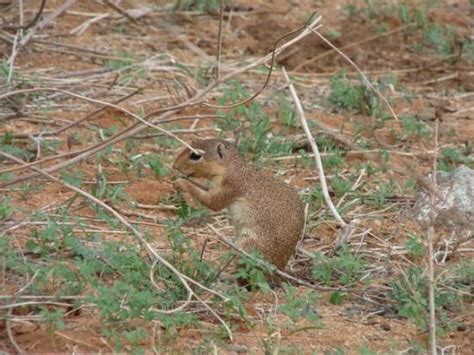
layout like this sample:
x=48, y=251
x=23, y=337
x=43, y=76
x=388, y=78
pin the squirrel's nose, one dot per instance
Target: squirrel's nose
x=175, y=165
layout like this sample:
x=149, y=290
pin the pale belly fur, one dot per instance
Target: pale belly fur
x=238, y=212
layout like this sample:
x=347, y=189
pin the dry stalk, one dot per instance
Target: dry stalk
x=11, y=337
x=314, y=147
x=60, y=10
x=31, y=23
x=430, y=237
x=121, y=11
x=219, y=39
x=14, y=53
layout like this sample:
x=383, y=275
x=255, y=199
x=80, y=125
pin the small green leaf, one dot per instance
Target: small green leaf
x=337, y=298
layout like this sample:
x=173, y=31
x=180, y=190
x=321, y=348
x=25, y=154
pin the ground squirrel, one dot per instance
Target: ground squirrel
x=267, y=213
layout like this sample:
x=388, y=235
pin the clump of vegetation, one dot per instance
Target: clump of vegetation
x=415, y=128
x=251, y=124
x=344, y=269
x=5, y=208
x=9, y=146
x=452, y=157
x=299, y=306
x=197, y=5
x=410, y=294
x=127, y=68
x=348, y=96
x=422, y=31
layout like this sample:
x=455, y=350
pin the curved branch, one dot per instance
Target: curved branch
x=32, y=22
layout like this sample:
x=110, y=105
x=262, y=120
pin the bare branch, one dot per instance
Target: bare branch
x=314, y=147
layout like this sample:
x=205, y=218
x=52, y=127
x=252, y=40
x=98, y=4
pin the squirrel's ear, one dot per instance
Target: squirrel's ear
x=221, y=150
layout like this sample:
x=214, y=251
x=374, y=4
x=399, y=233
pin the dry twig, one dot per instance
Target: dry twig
x=60, y=10
x=219, y=39
x=35, y=19
x=430, y=236
x=314, y=147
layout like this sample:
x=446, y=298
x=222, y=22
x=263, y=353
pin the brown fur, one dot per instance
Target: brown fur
x=267, y=213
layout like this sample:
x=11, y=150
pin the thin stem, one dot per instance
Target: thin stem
x=430, y=235
x=314, y=147
x=219, y=39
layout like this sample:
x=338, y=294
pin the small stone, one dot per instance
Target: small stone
x=385, y=327
x=238, y=349
x=454, y=203
x=426, y=113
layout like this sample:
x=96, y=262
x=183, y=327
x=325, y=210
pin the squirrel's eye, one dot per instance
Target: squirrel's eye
x=195, y=156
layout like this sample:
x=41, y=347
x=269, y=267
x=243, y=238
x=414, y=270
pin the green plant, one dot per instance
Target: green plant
x=468, y=49
x=415, y=246
x=28, y=188
x=356, y=97
x=332, y=34
x=53, y=318
x=132, y=296
x=102, y=190
x=46, y=240
x=315, y=195
x=286, y=113
x=340, y=186
x=6, y=208
x=123, y=338
x=345, y=268
x=7, y=146
x=383, y=191
x=197, y=5
x=346, y=95
x=421, y=31
x=258, y=139
x=299, y=306
x=125, y=64
x=50, y=146
x=410, y=296
x=337, y=298
x=365, y=350
x=413, y=126
x=157, y=166
x=254, y=271
x=440, y=38
x=451, y=158
x=336, y=351
x=334, y=159
x=276, y=346
x=74, y=178
x=410, y=293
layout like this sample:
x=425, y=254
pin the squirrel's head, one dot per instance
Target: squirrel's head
x=212, y=159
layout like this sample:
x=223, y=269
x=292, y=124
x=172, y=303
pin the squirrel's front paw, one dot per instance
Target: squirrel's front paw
x=181, y=185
